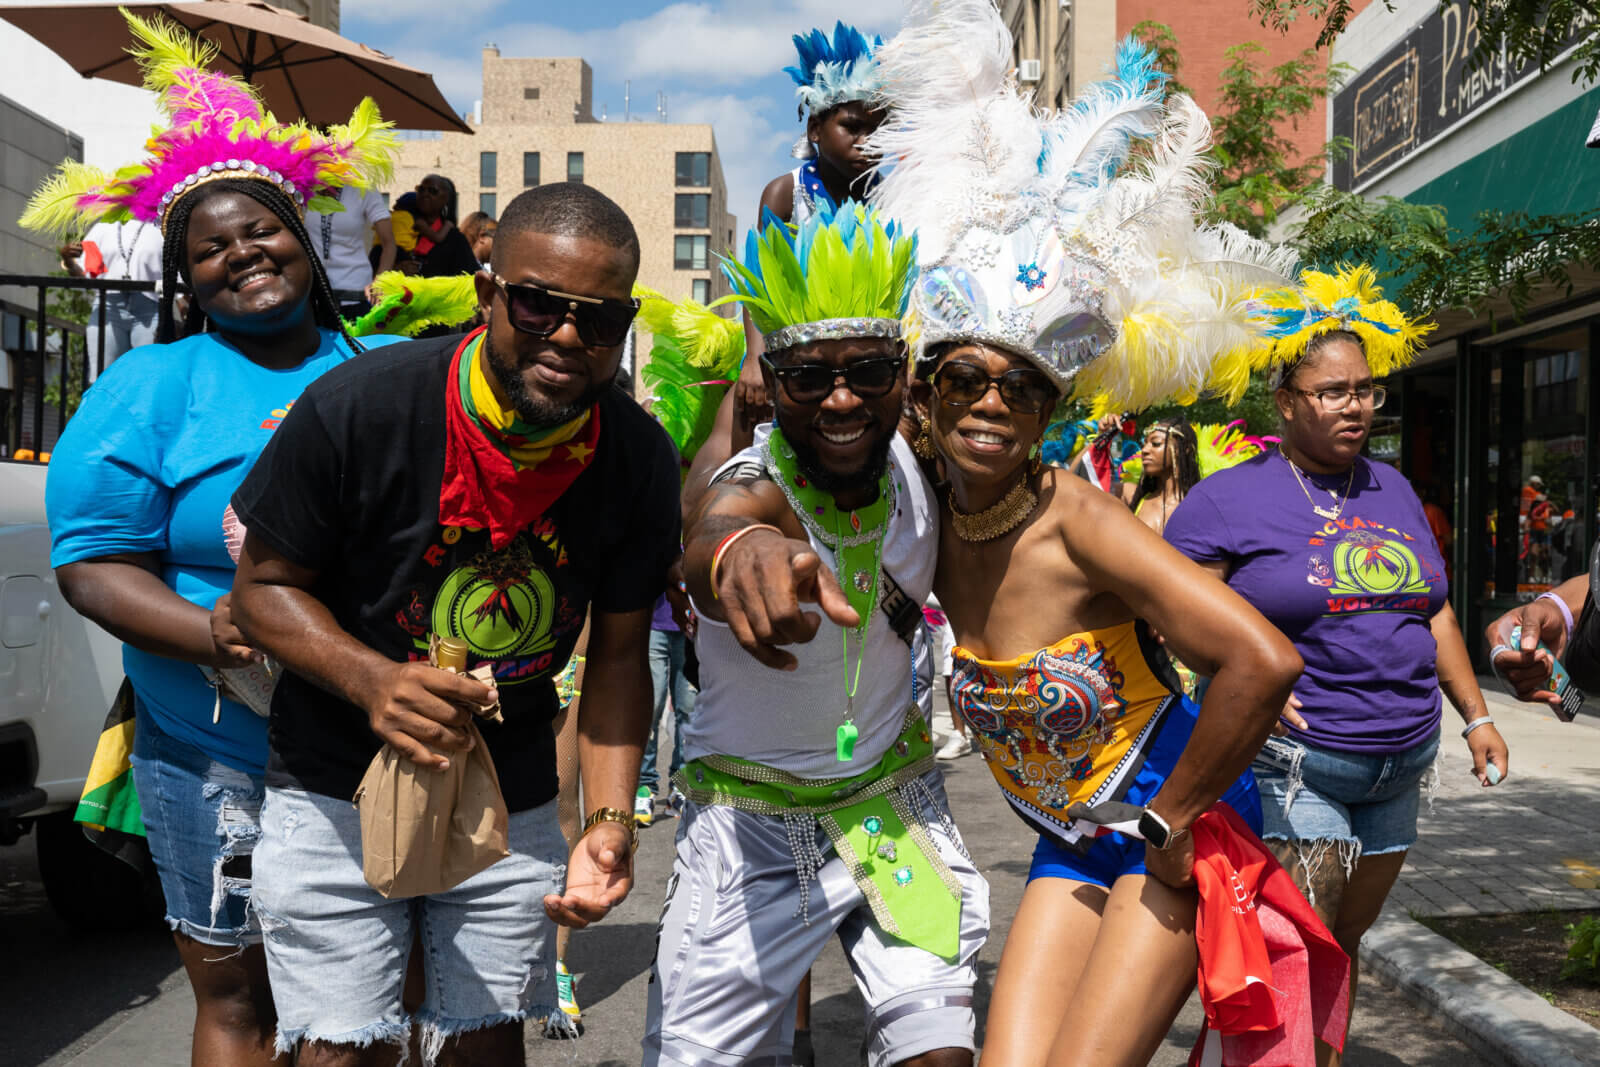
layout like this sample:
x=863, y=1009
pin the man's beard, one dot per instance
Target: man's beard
x=836, y=482
x=535, y=411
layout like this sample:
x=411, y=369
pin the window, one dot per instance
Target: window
x=486, y=205
x=531, y=92
x=574, y=166
x=385, y=199
x=694, y=168
x=689, y=253
x=530, y=168
x=487, y=168
x=702, y=290
x=692, y=210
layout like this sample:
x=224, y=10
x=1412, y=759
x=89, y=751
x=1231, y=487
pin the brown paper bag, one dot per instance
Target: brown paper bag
x=426, y=831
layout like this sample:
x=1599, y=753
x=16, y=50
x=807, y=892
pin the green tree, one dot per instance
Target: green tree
x=70, y=305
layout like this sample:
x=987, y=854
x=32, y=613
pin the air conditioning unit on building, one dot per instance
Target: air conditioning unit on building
x=1028, y=71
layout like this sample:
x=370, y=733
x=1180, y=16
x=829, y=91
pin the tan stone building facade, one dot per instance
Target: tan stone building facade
x=536, y=125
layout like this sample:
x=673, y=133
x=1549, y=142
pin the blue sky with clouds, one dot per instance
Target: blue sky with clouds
x=717, y=61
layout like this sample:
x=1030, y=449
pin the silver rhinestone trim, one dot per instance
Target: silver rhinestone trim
x=802, y=333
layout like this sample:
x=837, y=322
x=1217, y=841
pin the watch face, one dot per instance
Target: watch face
x=1154, y=829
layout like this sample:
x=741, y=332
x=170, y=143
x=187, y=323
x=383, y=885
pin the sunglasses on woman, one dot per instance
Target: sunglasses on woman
x=807, y=383
x=535, y=310
x=1022, y=390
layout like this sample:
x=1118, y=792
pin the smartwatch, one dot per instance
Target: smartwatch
x=1156, y=830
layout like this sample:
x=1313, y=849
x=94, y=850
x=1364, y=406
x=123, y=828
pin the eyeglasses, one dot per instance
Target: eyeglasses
x=1334, y=400
x=807, y=383
x=1023, y=391
x=539, y=311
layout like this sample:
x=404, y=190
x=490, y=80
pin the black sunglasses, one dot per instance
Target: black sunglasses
x=962, y=385
x=807, y=383
x=540, y=311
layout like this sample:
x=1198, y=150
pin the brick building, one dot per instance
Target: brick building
x=1063, y=46
x=536, y=124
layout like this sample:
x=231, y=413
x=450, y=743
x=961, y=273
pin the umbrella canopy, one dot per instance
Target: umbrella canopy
x=302, y=70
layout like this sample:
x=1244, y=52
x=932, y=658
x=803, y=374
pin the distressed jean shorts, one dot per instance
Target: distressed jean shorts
x=337, y=949
x=202, y=819
x=1366, y=803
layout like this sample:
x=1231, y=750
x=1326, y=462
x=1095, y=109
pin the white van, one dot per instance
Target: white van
x=58, y=676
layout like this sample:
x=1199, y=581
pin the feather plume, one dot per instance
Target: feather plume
x=407, y=305
x=830, y=73
x=694, y=357
x=53, y=208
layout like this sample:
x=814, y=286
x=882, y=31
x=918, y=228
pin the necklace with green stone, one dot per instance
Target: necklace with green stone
x=856, y=539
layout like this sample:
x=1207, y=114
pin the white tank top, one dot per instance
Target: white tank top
x=788, y=719
x=803, y=207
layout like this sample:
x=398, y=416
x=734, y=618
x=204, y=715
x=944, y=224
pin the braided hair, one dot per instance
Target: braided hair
x=1182, y=456
x=175, y=258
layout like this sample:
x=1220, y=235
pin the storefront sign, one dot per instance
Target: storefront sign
x=1421, y=89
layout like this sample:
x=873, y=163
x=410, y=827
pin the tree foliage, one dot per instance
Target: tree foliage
x=1534, y=31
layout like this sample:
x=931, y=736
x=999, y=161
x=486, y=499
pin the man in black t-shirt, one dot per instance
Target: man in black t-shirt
x=493, y=488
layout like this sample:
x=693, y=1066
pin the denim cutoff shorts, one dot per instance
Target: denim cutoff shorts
x=1365, y=802
x=202, y=819
x=337, y=949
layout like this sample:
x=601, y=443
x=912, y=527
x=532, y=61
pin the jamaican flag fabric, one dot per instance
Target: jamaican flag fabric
x=109, y=801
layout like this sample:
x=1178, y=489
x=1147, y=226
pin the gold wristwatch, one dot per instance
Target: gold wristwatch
x=616, y=815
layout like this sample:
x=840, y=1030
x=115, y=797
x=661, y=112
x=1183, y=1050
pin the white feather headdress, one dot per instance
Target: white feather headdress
x=1049, y=235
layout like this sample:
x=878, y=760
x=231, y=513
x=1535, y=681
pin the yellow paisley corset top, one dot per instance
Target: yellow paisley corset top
x=1067, y=723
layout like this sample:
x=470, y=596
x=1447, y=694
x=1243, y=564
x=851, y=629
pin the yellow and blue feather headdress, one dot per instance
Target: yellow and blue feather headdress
x=1348, y=299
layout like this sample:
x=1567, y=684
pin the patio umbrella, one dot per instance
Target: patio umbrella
x=302, y=70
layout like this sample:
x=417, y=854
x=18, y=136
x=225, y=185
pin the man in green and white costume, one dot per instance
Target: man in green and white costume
x=815, y=804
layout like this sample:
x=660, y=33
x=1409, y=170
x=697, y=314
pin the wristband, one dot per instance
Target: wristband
x=727, y=543
x=1566, y=612
x=1482, y=720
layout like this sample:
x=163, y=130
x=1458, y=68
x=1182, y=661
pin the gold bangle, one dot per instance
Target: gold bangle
x=616, y=815
x=728, y=542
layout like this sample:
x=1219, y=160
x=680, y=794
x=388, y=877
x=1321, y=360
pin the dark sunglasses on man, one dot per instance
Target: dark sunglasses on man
x=539, y=311
x=808, y=383
x=1022, y=390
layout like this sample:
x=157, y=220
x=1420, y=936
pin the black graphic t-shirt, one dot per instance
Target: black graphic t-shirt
x=349, y=488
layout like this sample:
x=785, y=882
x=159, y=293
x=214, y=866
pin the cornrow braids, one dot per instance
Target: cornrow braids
x=175, y=263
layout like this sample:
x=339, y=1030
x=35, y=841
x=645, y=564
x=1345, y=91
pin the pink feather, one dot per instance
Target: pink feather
x=200, y=95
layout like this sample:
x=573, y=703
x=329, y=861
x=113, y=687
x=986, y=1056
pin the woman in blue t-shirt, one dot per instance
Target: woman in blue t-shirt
x=138, y=508
x=1335, y=550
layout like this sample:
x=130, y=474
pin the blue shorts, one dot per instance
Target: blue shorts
x=1366, y=803
x=1114, y=855
x=337, y=950
x=202, y=819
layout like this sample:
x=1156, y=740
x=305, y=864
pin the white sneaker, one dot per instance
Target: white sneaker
x=955, y=748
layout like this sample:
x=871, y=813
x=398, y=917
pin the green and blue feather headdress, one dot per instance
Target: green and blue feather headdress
x=842, y=273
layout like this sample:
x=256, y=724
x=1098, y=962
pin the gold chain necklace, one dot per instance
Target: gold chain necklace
x=1331, y=514
x=998, y=519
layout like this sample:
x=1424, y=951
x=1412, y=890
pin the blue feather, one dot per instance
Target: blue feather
x=814, y=49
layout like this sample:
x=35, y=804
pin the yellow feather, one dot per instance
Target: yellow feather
x=54, y=207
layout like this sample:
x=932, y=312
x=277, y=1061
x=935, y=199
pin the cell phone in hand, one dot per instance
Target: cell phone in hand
x=1559, y=683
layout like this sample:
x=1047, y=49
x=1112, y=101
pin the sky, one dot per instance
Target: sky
x=717, y=61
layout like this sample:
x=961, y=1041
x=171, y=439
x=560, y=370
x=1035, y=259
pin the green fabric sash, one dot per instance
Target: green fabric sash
x=874, y=826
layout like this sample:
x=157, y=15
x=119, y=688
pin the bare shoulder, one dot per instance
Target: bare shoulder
x=779, y=196
x=1084, y=514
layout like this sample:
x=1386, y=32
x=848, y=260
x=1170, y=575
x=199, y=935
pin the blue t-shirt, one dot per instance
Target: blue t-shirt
x=1356, y=595
x=148, y=464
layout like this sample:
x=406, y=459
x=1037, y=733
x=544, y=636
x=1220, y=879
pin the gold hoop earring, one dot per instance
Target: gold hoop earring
x=923, y=445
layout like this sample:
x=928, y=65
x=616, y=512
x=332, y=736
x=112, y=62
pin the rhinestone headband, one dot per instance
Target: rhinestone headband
x=232, y=168
x=804, y=333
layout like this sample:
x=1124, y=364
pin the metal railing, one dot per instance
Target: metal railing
x=31, y=356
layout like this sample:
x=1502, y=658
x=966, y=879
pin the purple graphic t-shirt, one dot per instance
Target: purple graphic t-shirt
x=1355, y=595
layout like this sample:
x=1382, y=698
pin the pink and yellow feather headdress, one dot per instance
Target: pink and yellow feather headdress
x=217, y=128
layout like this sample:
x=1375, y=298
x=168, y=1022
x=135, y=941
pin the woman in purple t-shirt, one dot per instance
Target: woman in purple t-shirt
x=1335, y=550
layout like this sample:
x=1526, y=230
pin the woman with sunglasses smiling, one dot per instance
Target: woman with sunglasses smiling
x=1046, y=579
x=1336, y=550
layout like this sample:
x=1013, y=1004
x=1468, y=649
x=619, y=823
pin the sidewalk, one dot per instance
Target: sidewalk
x=1529, y=844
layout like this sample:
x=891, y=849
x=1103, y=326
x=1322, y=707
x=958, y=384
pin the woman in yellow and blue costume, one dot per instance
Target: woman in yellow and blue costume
x=1055, y=259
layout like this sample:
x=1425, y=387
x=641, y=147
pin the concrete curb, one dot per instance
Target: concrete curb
x=1490, y=1011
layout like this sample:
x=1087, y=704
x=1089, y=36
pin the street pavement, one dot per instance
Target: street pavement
x=121, y=1000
